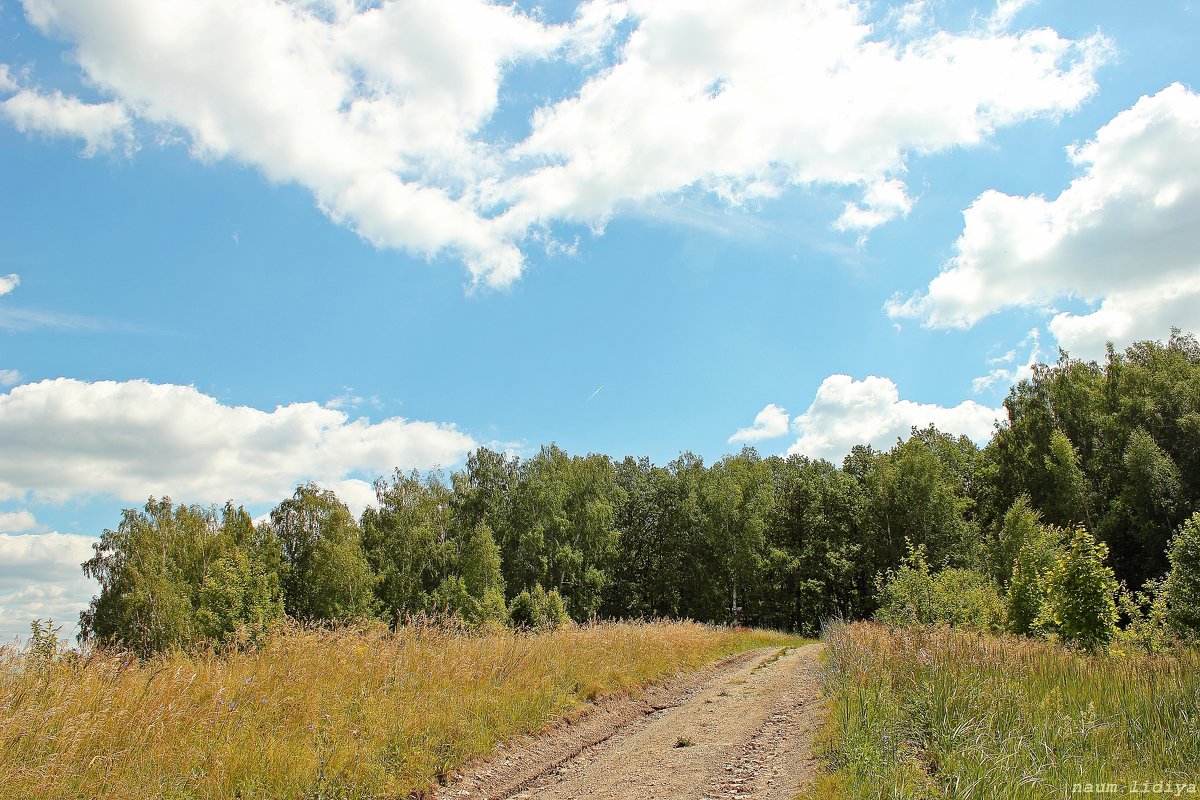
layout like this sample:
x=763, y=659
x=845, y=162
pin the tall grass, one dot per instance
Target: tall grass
x=356, y=713
x=937, y=712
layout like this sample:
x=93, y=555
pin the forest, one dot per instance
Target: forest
x=1091, y=481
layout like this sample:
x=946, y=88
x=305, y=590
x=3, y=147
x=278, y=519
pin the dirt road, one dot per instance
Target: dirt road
x=741, y=728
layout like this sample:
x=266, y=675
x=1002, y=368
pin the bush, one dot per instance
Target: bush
x=492, y=608
x=906, y=595
x=538, y=609
x=1036, y=556
x=452, y=599
x=1081, y=593
x=960, y=597
x=1182, y=587
x=1145, y=615
x=44, y=643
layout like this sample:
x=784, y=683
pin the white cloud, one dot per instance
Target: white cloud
x=1123, y=235
x=101, y=126
x=1131, y=315
x=40, y=577
x=769, y=423
x=847, y=412
x=1008, y=375
x=8, y=283
x=9, y=377
x=374, y=110
x=911, y=16
x=348, y=400
x=1006, y=10
x=382, y=110
x=64, y=438
x=744, y=99
x=882, y=202
x=16, y=521
x=7, y=84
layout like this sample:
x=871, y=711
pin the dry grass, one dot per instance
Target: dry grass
x=936, y=712
x=357, y=713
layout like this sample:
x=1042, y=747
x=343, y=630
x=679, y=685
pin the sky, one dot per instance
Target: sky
x=246, y=244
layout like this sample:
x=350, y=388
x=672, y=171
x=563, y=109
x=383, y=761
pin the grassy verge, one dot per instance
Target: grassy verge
x=932, y=713
x=315, y=714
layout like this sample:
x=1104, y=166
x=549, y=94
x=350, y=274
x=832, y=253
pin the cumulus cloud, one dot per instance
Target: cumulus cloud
x=65, y=438
x=770, y=423
x=847, y=412
x=40, y=577
x=8, y=283
x=745, y=99
x=17, y=521
x=9, y=377
x=7, y=84
x=1122, y=237
x=383, y=111
x=101, y=126
x=373, y=109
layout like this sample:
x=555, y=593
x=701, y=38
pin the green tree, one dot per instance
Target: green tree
x=1067, y=500
x=1021, y=523
x=1151, y=500
x=326, y=575
x=482, y=576
x=172, y=576
x=1133, y=466
x=480, y=563
x=563, y=531
x=812, y=569
x=736, y=498
x=409, y=541
x=241, y=586
x=913, y=496
x=483, y=491
x=451, y=597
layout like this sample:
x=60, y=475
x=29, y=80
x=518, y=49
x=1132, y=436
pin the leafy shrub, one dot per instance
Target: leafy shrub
x=44, y=643
x=906, y=595
x=1182, y=587
x=452, y=598
x=1081, y=593
x=960, y=597
x=492, y=608
x=1036, y=556
x=1145, y=613
x=538, y=609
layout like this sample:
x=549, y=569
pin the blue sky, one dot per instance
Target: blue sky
x=244, y=245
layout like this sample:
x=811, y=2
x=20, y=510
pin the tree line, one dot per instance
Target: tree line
x=1109, y=449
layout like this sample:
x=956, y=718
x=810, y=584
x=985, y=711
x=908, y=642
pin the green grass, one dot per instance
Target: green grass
x=353, y=713
x=936, y=712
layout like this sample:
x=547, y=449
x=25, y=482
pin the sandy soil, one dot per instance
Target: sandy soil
x=740, y=728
